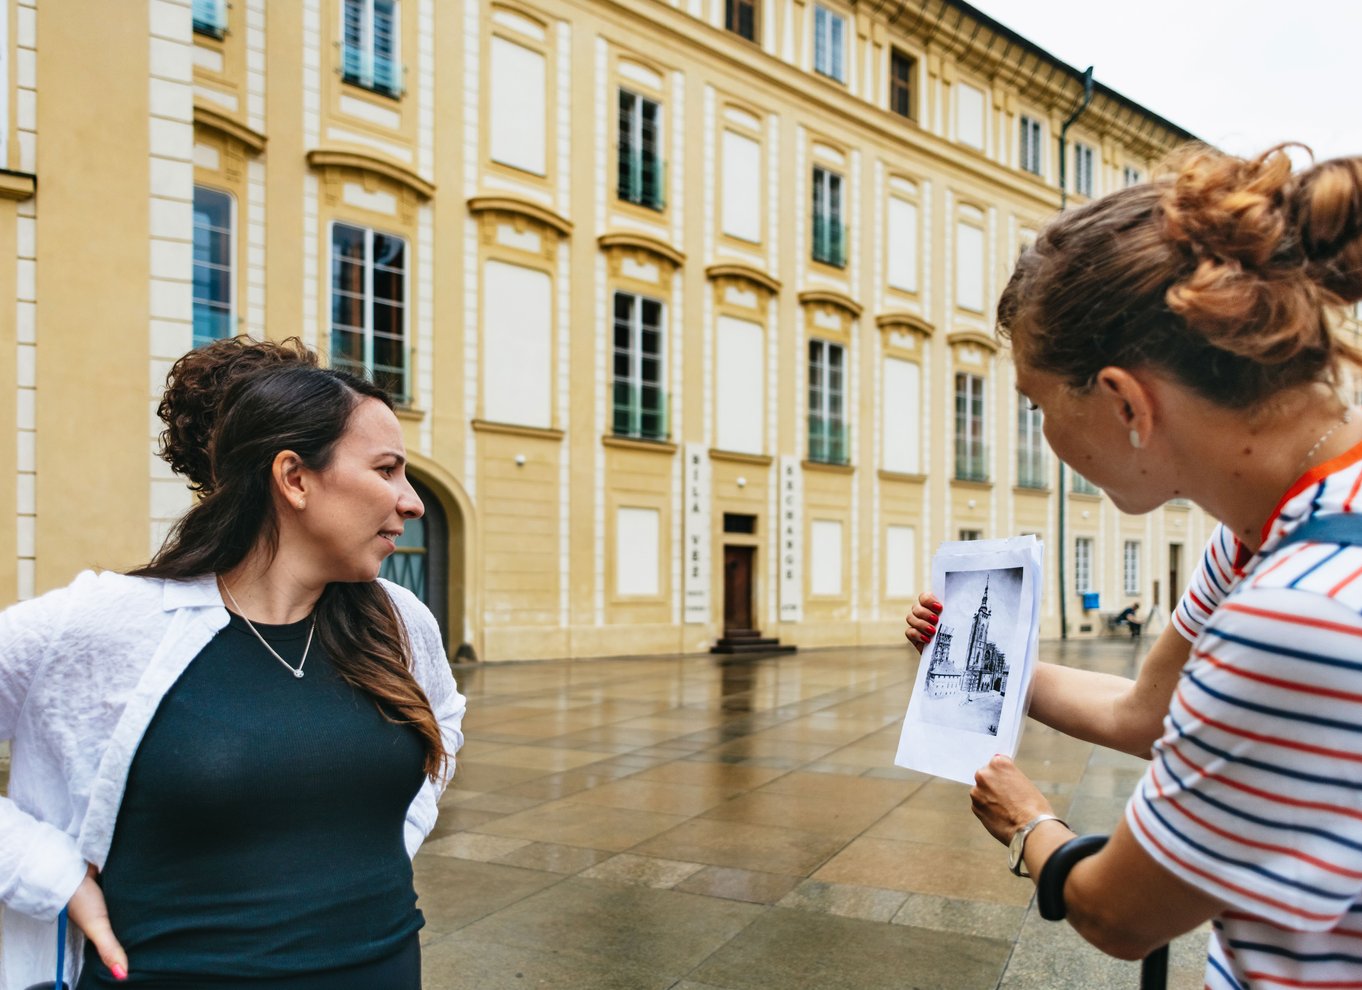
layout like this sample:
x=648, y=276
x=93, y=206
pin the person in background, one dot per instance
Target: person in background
x=1128, y=617
x=1178, y=336
x=224, y=760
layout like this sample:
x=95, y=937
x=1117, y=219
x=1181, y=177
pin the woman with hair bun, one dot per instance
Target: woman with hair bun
x=224, y=761
x=1179, y=336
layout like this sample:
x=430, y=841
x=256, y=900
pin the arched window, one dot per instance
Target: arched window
x=421, y=562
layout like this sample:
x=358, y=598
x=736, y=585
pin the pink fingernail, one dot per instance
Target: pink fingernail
x=119, y=973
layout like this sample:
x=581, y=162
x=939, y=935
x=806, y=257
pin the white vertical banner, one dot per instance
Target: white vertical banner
x=697, y=483
x=791, y=540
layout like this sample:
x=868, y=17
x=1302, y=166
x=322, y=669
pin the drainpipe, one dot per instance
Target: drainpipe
x=1063, y=204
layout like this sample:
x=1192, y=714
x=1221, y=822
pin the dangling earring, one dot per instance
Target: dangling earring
x=1135, y=439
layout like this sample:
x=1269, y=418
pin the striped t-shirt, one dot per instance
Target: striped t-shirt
x=1254, y=794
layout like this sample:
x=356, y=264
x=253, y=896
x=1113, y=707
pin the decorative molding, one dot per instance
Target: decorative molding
x=915, y=479
x=974, y=337
x=732, y=270
x=827, y=297
x=621, y=241
x=511, y=429
x=325, y=159
x=635, y=443
x=899, y=320
x=827, y=468
x=735, y=457
x=516, y=206
x=215, y=120
x=17, y=185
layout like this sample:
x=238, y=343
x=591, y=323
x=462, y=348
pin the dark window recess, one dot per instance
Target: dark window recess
x=740, y=17
x=901, y=84
x=736, y=522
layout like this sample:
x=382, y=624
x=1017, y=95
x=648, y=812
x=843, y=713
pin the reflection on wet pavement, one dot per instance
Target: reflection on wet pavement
x=705, y=824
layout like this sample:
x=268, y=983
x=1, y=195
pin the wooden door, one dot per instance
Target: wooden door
x=738, y=587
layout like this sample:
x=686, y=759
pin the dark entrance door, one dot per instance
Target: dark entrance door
x=421, y=561
x=1174, y=574
x=738, y=587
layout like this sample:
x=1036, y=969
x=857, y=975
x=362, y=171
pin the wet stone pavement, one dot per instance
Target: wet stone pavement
x=704, y=823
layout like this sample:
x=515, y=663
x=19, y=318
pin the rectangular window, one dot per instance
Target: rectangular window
x=369, y=45
x=829, y=42
x=900, y=559
x=1030, y=445
x=1082, y=486
x=971, y=534
x=640, y=163
x=518, y=118
x=1083, y=564
x=517, y=345
x=739, y=384
x=369, y=306
x=969, y=267
x=212, y=265
x=969, y=115
x=1083, y=174
x=740, y=17
x=901, y=231
x=829, y=233
x=1029, y=151
x=637, y=537
x=742, y=187
x=210, y=17
x=1130, y=567
x=969, y=428
x=639, y=398
x=827, y=403
x=825, y=557
x=902, y=393
x=1130, y=177
x=901, y=70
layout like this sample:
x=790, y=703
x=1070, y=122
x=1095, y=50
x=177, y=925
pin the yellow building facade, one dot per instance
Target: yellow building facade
x=686, y=304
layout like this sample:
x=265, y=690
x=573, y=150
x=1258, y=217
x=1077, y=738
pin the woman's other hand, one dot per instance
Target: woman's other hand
x=90, y=914
x=1004, y=799
x=922, y=621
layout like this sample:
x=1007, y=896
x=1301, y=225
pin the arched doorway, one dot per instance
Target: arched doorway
x=421, y=562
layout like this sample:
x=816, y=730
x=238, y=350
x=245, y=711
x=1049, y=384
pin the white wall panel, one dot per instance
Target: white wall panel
x=636, y=551
x=900, y=572
x=902, y=428
x=517, y=330
x=902, y=236
x=742, y=198
x=825, y=557
x=518, y=111
x=739, y=385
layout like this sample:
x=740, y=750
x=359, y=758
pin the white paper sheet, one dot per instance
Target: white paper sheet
x=973, y=683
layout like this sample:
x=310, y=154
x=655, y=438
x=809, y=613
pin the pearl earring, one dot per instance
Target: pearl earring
x=1135, y=439
x=301, y=503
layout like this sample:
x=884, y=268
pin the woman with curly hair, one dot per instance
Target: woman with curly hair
x=224, y=760
x=1179, y=337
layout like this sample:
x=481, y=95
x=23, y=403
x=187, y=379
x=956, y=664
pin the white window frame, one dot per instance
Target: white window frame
x=1084, y=181
x=1031, y=461
x=1083, y=564
x=229, y=266
x=1131, y=176
x=634, y=355
x=829, y=191
x=367, y=312
x=658, y=200
x=827, y=403
x=971, y=430
x=1130, y=567
x=829, y=43
x=367, y=53
x=1031, y=145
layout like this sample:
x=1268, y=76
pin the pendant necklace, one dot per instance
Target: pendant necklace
x=1347, y=418
x=295, y=671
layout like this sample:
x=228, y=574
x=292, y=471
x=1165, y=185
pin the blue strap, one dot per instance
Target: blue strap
x=61, y=949
x=1342, y=528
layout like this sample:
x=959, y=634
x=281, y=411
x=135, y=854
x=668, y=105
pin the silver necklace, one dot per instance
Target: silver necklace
x=295, y=671
x=1347, y=418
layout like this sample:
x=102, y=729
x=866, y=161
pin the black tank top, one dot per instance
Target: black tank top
x=261, y=833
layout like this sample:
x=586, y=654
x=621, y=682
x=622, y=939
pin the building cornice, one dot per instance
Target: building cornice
x=324, y=158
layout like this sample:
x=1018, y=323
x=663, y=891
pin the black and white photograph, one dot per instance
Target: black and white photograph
x=969, y=663
x=970, y=692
